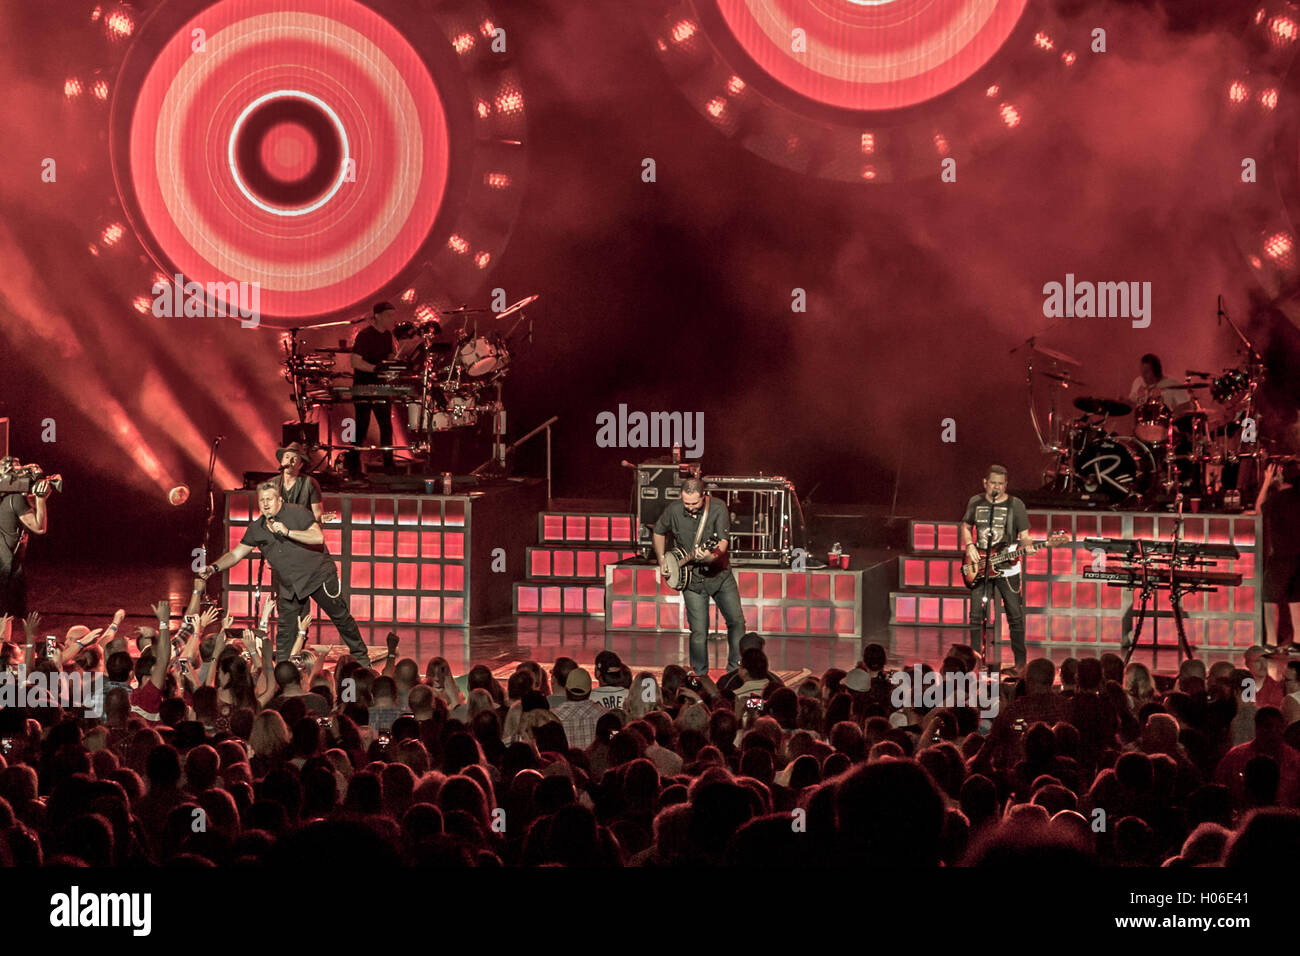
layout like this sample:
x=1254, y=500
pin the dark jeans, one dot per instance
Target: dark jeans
x=383, y=413
x=336, y=607
x=722, y=588
x=13, y=594
x=1013, y=603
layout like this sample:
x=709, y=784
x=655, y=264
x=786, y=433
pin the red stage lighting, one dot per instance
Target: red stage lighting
x=870, y=57
x=278, y=175
x=1280, y=248
x=1282, y=31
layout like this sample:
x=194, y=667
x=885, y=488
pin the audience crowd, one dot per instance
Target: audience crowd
x=205, y=751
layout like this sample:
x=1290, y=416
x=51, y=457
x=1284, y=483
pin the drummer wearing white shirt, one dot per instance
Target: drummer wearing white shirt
x=1153, y=383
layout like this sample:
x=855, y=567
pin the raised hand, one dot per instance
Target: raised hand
x=32, y=624
x=119, y=617
x=207, y=618
x=304, y=622
x=228, y=622
x=163, y=611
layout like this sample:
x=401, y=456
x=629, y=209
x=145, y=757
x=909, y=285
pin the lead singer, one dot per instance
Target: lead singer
x=293, y=542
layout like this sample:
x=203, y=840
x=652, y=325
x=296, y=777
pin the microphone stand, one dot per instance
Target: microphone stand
x=987, y=600
x=210, y=512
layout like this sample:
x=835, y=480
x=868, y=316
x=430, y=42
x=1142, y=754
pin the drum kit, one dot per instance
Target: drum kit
x=444, y=385
x=1210, y=456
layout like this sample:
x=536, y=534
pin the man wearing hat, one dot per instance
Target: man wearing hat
x=295, y=487
x=615, y=681
x=579, y=713
x=372, y=345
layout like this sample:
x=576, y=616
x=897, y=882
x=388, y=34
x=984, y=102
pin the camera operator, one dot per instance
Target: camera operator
x=20, y=514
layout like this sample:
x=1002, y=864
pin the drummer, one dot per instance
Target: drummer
x=1152, y=383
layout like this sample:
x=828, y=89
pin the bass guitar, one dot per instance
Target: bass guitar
x=973, y=572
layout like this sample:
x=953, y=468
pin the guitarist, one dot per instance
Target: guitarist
x=712, y=577
x=1005, y=518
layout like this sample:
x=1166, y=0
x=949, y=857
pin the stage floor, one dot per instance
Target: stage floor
x=89, y=595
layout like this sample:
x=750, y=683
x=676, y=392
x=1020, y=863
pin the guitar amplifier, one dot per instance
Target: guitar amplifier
x=658, y=484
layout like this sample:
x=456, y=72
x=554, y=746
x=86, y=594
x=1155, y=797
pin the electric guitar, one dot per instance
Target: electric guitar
x=680, y=568
x=1004, y=557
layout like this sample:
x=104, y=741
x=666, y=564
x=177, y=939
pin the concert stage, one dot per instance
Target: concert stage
x=1063, y=608
x=411, y=558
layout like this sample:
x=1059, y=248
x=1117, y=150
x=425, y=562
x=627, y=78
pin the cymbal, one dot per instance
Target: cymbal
x=330, y=325
x=1058, y=356
x=1065, y=379
x=1102, y=406
x=522, y=303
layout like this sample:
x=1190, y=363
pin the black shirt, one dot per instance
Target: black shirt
x=1281, y=511
x=373, y=346
x=12, y=508
x=683, y=526
x=301, y=568
x=977, y=514
x=305, y=491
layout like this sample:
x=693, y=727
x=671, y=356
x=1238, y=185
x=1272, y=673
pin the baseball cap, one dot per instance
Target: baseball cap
x=857, y=680
x=579, y=682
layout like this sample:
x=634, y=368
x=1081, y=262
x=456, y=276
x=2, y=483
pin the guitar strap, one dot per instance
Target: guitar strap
x=704, y=519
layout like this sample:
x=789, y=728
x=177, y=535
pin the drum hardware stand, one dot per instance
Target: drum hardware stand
x=496, y=466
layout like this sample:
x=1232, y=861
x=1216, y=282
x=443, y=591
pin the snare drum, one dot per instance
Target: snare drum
x=1152, y=421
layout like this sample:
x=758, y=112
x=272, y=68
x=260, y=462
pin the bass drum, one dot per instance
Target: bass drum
x=1117, y=467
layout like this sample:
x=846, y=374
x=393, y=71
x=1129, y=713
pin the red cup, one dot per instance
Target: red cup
x=844, y=560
